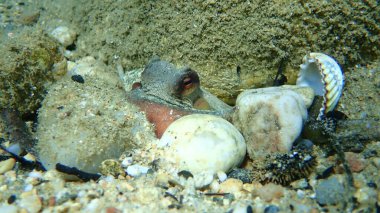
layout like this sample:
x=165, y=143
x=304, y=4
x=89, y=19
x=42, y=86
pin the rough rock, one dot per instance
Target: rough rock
x=329, y=191
x=270, y=119
x=82, y=124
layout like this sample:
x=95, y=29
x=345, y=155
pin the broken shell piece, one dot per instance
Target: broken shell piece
x=322, y=73
x=201, y=142
x=270, y=119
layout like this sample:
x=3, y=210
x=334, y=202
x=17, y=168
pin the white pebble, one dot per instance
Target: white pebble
x=7, y=165
x=136, y=170
x=64, y=35
x=222, y=176
x=35, y=174
x=8, y=208
x=127, y=162
x=203, y=179
x=300, y=194
x=28, y=188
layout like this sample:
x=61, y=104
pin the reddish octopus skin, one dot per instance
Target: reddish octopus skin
x=160, y=115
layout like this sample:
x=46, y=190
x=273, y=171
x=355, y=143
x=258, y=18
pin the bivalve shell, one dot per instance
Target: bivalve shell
x=322, y=73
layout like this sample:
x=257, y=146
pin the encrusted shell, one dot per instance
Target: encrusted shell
x=322, y=73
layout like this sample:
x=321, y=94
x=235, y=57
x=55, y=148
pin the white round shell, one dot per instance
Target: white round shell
x=322, y=73
x=203, y=143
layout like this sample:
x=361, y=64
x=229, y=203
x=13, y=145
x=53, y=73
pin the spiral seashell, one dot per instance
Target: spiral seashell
x=322, y=73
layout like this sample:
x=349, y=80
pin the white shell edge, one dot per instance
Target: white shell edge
x=322, y=73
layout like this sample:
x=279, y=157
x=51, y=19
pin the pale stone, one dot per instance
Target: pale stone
x=7, y=165
x=199, y=142
x=269, y=192
x=64, y=35
x=203, y=179
x=270, y=119
x=8, y=208
x=30, y=201
x=137, y=170
x=231, y=185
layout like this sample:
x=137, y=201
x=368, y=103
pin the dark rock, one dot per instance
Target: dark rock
x=329, y=192
x=271, y=209
x=77, y=78
x=185, y=174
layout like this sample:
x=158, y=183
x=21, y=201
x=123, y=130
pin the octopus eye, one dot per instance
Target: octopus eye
x=136, y=85
x=187, y=83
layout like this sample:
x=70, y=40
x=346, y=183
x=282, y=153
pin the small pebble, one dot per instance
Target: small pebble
x=356, y=162
x=127, y=162
x=203, y=179
x=30, y=201
x=11, y=199
x=28, y=188
x=214, y=186
x=300, y=184
x=7, y=165
x=271, y=209
x=231, y=185
x=9, y=208
x=162, y=180
x=269, y=192
x=329, y=191
x=376, y=162
x=372, y=184
x=300, y=194
x=186, y=174
x=136, y=170
x=36, y=174
x=77, y=78
x=64, y=35
x=221, y=176
x=366, y=196
x=243, y=209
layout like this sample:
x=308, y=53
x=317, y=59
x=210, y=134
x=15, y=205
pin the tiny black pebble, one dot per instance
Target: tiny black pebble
x=271, y=209
x=372, y=184
x=11, y=199
x=249, y=209
x=185, y=174
x=77, y=78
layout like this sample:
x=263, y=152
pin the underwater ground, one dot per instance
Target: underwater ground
x=234, y=45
